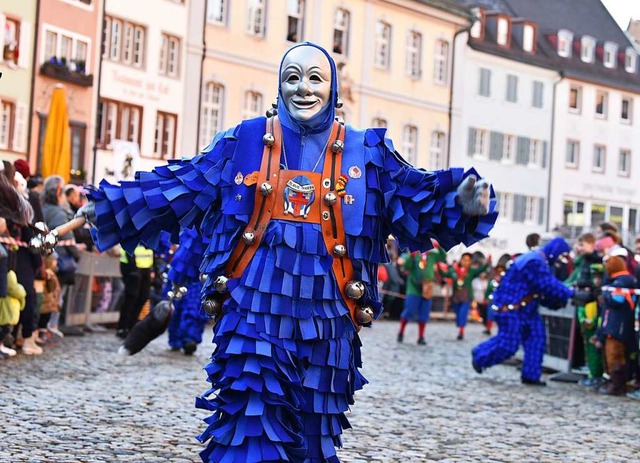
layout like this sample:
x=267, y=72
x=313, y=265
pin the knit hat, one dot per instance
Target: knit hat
x=22, y=166
x=554, y=248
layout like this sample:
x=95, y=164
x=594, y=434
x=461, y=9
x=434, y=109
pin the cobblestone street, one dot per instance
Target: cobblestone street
x=81, y=402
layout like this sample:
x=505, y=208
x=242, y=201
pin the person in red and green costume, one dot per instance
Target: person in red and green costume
x=420, y=282
x=462, y=275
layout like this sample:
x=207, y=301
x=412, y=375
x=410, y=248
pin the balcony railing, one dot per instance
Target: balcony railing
x=72, y=73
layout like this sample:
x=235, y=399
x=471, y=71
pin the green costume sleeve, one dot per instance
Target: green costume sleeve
x=582, y=314
x=577, y=271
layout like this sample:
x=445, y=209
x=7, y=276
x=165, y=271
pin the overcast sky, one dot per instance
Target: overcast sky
x=623, y=10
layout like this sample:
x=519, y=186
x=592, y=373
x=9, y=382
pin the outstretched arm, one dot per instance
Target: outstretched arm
x=553, y=293
x=167, y=198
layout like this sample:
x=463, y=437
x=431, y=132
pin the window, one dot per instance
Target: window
x=601, y=104
x=505, y=205
x=256, y=24
x=7, y=118
x=441, y=62
x=217, y=12
x=165, y=138
x=531, y=209
x=410, y=143
x=630, y=58
x=294, y=23
x=572, y=157
x=599, y=155
x=535, y=152
x=598, y=212
x=538, y=94
x=528, y=37
x=341, y=32
x=123, y=42
x=633, y=221
x=485, y=82
x=624, y=163
x=616, y=216
x=480, y=143
x=10, y=41
x=508, y=148
x=503, y=32
x=414, y=54
x=565, y=39
x=211, y=116
x=512, y=88
x=626, y=110
x=78, y=142
x=383, y=45
x=609, y=55
x=119, y=121
x=587, y=49
x=574, y=216
x=252, y=105
x=437, y=151
x=67, y=47
x=575, y=99
x=476, y=27
x=379, y=122
x=169, y=55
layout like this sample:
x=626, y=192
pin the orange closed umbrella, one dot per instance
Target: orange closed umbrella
x=56, y=151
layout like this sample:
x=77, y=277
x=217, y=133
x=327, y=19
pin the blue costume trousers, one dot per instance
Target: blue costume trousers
x=515, y=328
x=462, y=313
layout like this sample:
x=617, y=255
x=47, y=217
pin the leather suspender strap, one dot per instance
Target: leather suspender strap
x=264, y=203
x=331, y=218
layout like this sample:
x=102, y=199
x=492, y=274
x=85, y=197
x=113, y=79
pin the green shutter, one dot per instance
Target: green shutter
x=519, y=208
x=522, y=151
x=544, y=154
x=541, y=211
x=496, y=145
x=472, y=141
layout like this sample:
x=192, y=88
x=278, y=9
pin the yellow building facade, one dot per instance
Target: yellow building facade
x=394, y=59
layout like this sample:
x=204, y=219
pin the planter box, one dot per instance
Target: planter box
x=63, y=73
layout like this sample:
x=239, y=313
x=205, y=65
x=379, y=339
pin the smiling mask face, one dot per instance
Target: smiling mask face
x=305, y=82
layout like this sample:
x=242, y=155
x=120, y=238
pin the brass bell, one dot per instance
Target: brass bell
x=330, y=198
x=249, y=238
x=266, y=189
x=355, y=289
x=178, y=293
x=203, y=278
x=272, y=112
x=340, y=250
x=364, y=315
x=268, y=139
x=510, y=307
x=337, y=146
x=221, y=284
x=212, y=306
x=340, y=119
x=339, y=103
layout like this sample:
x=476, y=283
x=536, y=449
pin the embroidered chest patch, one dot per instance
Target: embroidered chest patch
x=299, y=194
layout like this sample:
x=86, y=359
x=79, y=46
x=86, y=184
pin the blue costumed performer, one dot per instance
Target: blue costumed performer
x=189, y=319
x=528, y=283
x=298, y=208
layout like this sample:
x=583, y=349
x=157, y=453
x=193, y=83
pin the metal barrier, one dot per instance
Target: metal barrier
x=90, y=299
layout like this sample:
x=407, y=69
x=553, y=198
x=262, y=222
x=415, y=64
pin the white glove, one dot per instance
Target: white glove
x=473, y=196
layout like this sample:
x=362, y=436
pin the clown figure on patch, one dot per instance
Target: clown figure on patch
x=299, y=194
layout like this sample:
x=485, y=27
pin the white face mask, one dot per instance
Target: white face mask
x=305, y=82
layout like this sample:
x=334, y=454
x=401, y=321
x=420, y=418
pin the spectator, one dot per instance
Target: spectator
x=34, y=187
x=394, y=286
x=136, y=275
x=532, y=241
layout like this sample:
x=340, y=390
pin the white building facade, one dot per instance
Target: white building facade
x=501, y=125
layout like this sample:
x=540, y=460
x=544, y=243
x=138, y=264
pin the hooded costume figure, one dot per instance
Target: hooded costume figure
x=528, y=283
x=285, y=365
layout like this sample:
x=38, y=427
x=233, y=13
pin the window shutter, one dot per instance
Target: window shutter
x=472, y=141
x=544, y=154
x=495, y=148
x=24, y=47
x=541, y=211
x=519, y=208
x=2, y=24
x=522, y=153
x=20, y=129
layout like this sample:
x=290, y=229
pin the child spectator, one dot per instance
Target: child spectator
x=51, y=300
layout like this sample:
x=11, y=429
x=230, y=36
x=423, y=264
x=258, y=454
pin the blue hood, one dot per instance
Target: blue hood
x=321, y=121
x=554, y=248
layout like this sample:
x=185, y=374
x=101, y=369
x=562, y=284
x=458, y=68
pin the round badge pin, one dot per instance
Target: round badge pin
x=355, y=172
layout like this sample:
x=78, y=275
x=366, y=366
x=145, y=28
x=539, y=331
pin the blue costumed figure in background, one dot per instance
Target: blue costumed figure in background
x=189, y=319
x=528, y=283
x=298, y=209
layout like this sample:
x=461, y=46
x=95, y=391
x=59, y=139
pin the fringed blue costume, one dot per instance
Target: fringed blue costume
x=285, y=367
x=188, y=320
x=516, y=310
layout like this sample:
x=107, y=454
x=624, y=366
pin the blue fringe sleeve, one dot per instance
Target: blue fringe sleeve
x=419, y=205
x=554, y=294
x=185, y=265
x=167, y=198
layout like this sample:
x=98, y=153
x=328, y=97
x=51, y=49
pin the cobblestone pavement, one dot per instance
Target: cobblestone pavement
x=80, y=402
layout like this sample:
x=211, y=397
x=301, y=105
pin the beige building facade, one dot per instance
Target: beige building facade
x=394, y=59
x=17, y=22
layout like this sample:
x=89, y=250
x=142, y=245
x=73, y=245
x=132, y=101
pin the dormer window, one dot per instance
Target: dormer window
x=476, y=28
x=565, y=39
x=528, y=37
x=503, y=32
x=587, y=49
x=609, y=56
x=630, y=57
